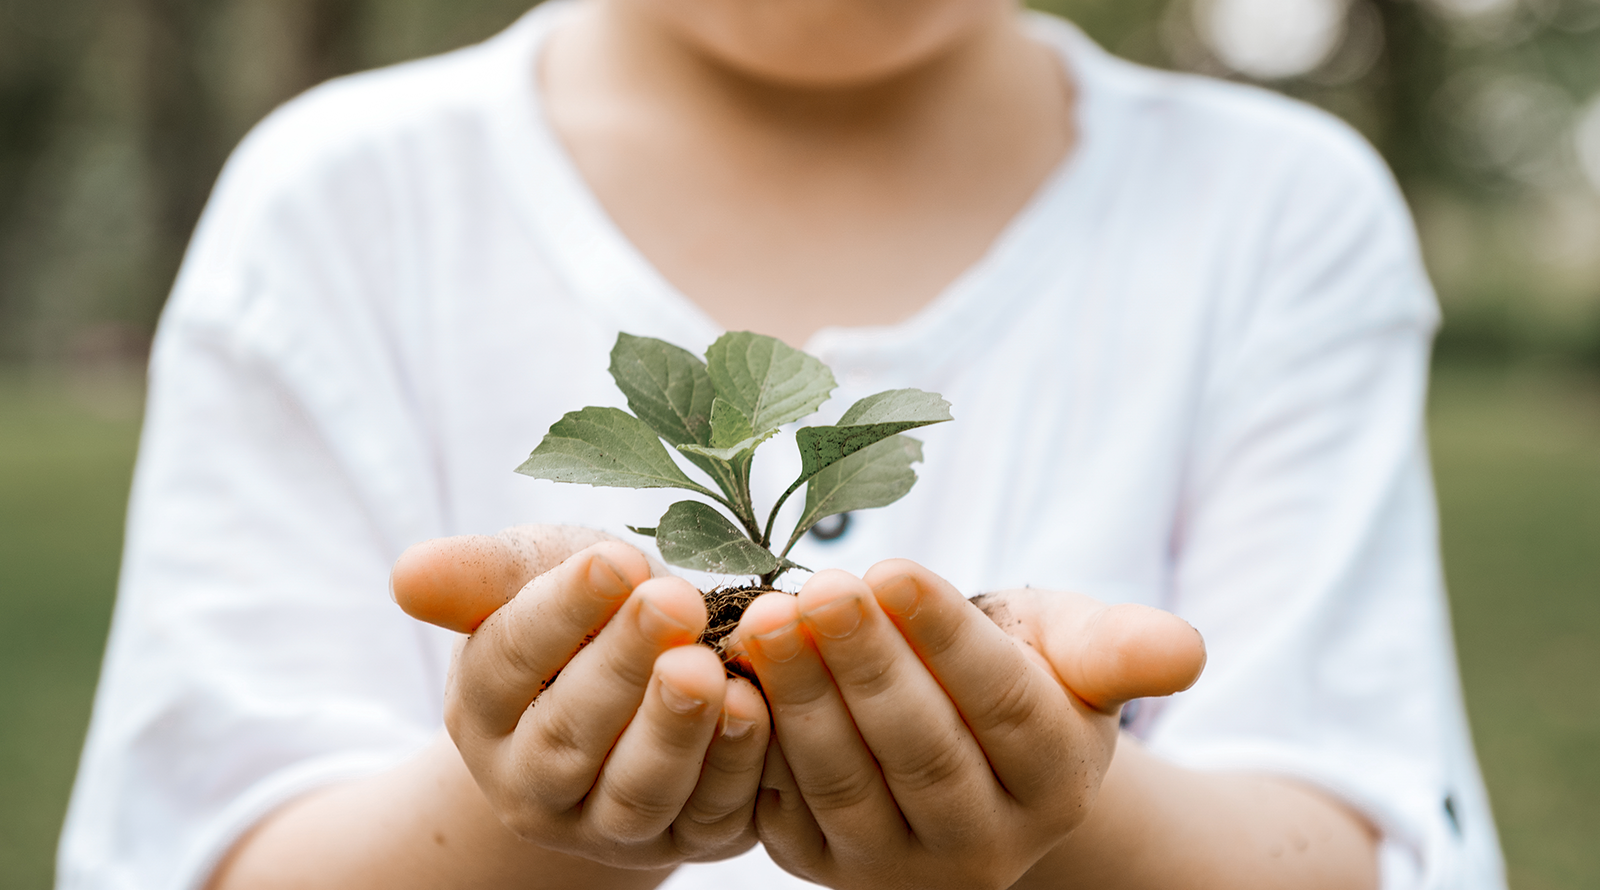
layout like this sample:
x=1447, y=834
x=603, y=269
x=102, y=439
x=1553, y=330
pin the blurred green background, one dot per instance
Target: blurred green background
x=115, y=116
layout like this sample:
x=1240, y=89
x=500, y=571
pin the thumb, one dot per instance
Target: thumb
x=1114, y=654
x=458, y=582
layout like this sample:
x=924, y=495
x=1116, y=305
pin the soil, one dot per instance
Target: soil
x=724, y=606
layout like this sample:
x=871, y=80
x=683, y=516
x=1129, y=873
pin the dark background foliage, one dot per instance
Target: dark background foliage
x=115, y=116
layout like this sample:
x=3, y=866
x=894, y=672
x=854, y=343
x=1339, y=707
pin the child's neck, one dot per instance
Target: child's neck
x=786, y=209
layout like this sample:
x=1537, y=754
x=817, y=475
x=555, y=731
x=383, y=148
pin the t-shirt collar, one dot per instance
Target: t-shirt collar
x=600, y=266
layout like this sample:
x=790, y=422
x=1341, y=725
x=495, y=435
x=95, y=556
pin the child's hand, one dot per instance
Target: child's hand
x=641, y=752
x=921, y=745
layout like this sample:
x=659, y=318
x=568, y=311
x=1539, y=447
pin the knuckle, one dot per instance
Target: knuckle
x=701, y=829
x=843, y=791
x=513, y=664
x=721, y=801
x=626, y=668
x=679, y=738
x=574, y=612
x=936, y=638
x=801, y=693
x=878, y=674
x=724, y=764
x=695, y=840
x=632, y=814
x=560, y=777
x=553, y=762
x=708, y=815
x=932, y=763
x=1013, y=703
x=557, y=731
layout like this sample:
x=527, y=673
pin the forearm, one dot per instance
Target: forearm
x=424, y=824
x=1156, y=825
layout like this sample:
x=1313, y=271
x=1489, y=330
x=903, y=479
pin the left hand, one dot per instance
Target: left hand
x=917, y=743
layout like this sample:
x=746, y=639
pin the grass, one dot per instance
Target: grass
x=64, y=470
x=1517, y=456
x=1518, y=462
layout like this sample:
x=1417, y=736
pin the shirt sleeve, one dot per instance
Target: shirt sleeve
x=1306, y=547
x=255, y=653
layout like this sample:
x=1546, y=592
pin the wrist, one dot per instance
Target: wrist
x=424, y=823
x=1159, y=825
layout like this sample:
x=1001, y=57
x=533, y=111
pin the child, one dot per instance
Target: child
x=1185, y=331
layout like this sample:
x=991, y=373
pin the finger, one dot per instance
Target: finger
x=513, y=655
x=1014, y=708
x=654, y=766
x=1111, y=655
x=788, y=831
x=1107, y=655
x=571, y=730
x=457, y=582
x=541, y=548
x=928, y=757
x=835, y=773
x=718, y=814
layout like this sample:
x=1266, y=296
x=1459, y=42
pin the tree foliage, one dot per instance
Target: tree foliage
x=115, y=118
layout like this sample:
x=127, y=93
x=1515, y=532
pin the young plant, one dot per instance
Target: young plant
x=716, y=413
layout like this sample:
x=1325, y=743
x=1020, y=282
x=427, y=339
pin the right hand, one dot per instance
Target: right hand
x=590, y=720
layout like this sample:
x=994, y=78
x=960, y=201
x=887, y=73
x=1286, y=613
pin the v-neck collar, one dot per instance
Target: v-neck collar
x=601, y=266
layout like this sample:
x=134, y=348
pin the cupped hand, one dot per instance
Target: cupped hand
x=918, y=743
x=588, y=717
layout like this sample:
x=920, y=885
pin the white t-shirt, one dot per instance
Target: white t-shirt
x=1190, y=374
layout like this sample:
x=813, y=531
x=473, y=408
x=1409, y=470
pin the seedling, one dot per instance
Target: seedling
x=716, y=413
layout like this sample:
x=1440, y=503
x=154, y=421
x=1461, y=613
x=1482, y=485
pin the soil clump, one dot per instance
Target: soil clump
x=724, y=607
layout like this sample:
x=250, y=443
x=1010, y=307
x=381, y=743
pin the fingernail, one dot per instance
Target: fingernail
x=780, y=645
x=605, y=580
x=899, y=595
x=836, y=620
x=737, y=728
x=658, y=625
x=677, y=702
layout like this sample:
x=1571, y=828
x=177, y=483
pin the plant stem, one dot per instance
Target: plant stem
x=793, y=540
x=766, y=535
x=741, y=475
x=732, y=507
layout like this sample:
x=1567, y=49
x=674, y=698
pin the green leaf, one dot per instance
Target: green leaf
x=606, y=447
x=871, y=420
x=728, y=459
x=876, y=476
x=693, y=535
x=732, y=453
x=769, y=381
x=667, y=387
x=898, y=406
x=642, y=530
x=729, y=425
x=731, y=437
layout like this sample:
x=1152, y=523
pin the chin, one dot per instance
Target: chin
x=824, y=43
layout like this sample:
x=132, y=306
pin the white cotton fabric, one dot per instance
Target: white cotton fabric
x=1190, y=374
